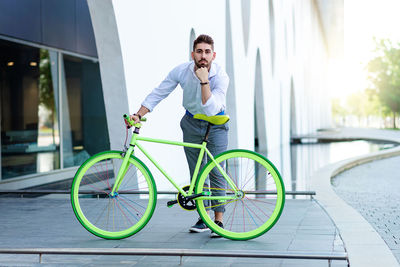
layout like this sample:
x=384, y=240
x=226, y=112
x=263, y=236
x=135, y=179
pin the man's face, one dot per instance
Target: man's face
x=203, y=55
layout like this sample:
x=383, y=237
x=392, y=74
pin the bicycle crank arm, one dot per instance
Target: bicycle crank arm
x=188, y=198
x=194, y=196
x=171, y=203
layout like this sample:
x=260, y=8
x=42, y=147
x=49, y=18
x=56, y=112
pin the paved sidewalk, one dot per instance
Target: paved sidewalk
x=373, y=190
x=44, y=222
x=304, y=226
x=364, y=245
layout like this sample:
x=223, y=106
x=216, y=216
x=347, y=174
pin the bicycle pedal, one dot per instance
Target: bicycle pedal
x=171, y=203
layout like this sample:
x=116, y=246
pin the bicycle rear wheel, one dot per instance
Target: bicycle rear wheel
x=259, y=203
x=118, y=216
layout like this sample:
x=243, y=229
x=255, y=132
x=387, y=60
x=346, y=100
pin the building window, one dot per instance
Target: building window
x=42, y=93
x=83, y=118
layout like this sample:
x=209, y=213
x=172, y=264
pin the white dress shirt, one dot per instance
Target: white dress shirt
x=185, y=76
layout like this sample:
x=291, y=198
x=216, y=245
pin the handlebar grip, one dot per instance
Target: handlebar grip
x=131, y=122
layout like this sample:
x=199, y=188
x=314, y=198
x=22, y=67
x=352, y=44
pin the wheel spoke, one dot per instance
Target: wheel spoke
x=121, y=214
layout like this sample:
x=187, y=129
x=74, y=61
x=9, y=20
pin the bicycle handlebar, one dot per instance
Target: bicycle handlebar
x=129, y=123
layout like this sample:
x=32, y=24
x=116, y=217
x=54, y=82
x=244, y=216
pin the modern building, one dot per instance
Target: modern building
x=69, y=69
x=52, y=107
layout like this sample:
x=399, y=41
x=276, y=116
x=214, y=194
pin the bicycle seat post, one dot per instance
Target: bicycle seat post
x=207, y=132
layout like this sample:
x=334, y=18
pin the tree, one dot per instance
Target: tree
x=46, y=91
x=384, y=76
x=339, y=111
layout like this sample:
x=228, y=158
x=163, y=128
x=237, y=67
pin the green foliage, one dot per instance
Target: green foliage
x=46, y=93
x=361, y=104
x=384, y=76
x=356, y=103
x=338, y=110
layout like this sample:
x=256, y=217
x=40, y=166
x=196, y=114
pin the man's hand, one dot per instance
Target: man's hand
x=142, y=111
x=135, y=118
x=202, y=74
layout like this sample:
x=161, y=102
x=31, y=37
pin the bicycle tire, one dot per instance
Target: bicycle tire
x=115, y=217
x=259, y=207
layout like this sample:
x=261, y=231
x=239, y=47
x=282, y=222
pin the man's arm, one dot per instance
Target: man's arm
x=141, y=112
x=213, y=101
x=158, y=94
x=202, y=74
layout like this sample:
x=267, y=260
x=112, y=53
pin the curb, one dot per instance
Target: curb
x=365, y=247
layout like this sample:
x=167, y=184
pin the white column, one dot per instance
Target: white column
x=111, y=67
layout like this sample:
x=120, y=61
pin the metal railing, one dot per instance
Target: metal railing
x=31, y=192
x=45, y=191
x=180, y=252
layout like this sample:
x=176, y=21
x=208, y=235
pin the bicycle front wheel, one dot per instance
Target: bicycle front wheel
x=259, y=200
x=128, y=210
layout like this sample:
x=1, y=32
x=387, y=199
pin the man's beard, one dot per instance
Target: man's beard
x=203, y=64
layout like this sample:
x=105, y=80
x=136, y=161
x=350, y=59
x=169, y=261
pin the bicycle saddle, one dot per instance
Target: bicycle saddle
x=216, y=120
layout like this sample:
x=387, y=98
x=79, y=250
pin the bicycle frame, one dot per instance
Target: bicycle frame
x=203, y=149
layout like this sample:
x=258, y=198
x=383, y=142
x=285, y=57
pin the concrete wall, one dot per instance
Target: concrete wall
x=155, y=36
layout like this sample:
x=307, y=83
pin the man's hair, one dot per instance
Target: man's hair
x=203, y=38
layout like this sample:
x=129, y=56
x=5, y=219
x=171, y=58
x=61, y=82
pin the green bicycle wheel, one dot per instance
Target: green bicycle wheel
x=118, y=216
x=257, y=206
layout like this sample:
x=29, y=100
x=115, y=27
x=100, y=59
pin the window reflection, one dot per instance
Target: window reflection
x=48, y=135
x=42, y=115
x=29, y=136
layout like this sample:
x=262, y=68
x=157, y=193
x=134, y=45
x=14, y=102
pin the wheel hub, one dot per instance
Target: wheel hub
x=113, y=195
x=240, y=194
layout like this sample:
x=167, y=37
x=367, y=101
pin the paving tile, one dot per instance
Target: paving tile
x=374, y=197
x=301, y=263
x=38, y=222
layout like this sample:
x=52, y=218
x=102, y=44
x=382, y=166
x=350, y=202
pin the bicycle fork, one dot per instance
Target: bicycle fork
x=122, y=171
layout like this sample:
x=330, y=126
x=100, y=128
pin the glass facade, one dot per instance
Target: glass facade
x=83, y=118
x=52, y=110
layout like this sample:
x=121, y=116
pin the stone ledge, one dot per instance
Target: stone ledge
x=351, y=224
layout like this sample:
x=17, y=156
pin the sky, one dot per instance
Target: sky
x=363, y=19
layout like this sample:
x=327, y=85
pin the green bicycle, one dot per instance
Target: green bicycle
x=114, y=195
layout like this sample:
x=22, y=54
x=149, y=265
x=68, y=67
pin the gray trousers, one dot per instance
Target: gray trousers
x=194, y=131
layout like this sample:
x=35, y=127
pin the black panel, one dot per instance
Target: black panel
x=58, y=18
x=85, y=37
x=20, y=19
x=95, y=130
x=63, y=24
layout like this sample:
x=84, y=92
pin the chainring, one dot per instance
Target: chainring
x=184, y=202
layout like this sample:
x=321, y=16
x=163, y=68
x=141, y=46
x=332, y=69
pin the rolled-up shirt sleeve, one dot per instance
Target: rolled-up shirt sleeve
x=162, y=91
x=217, y=102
